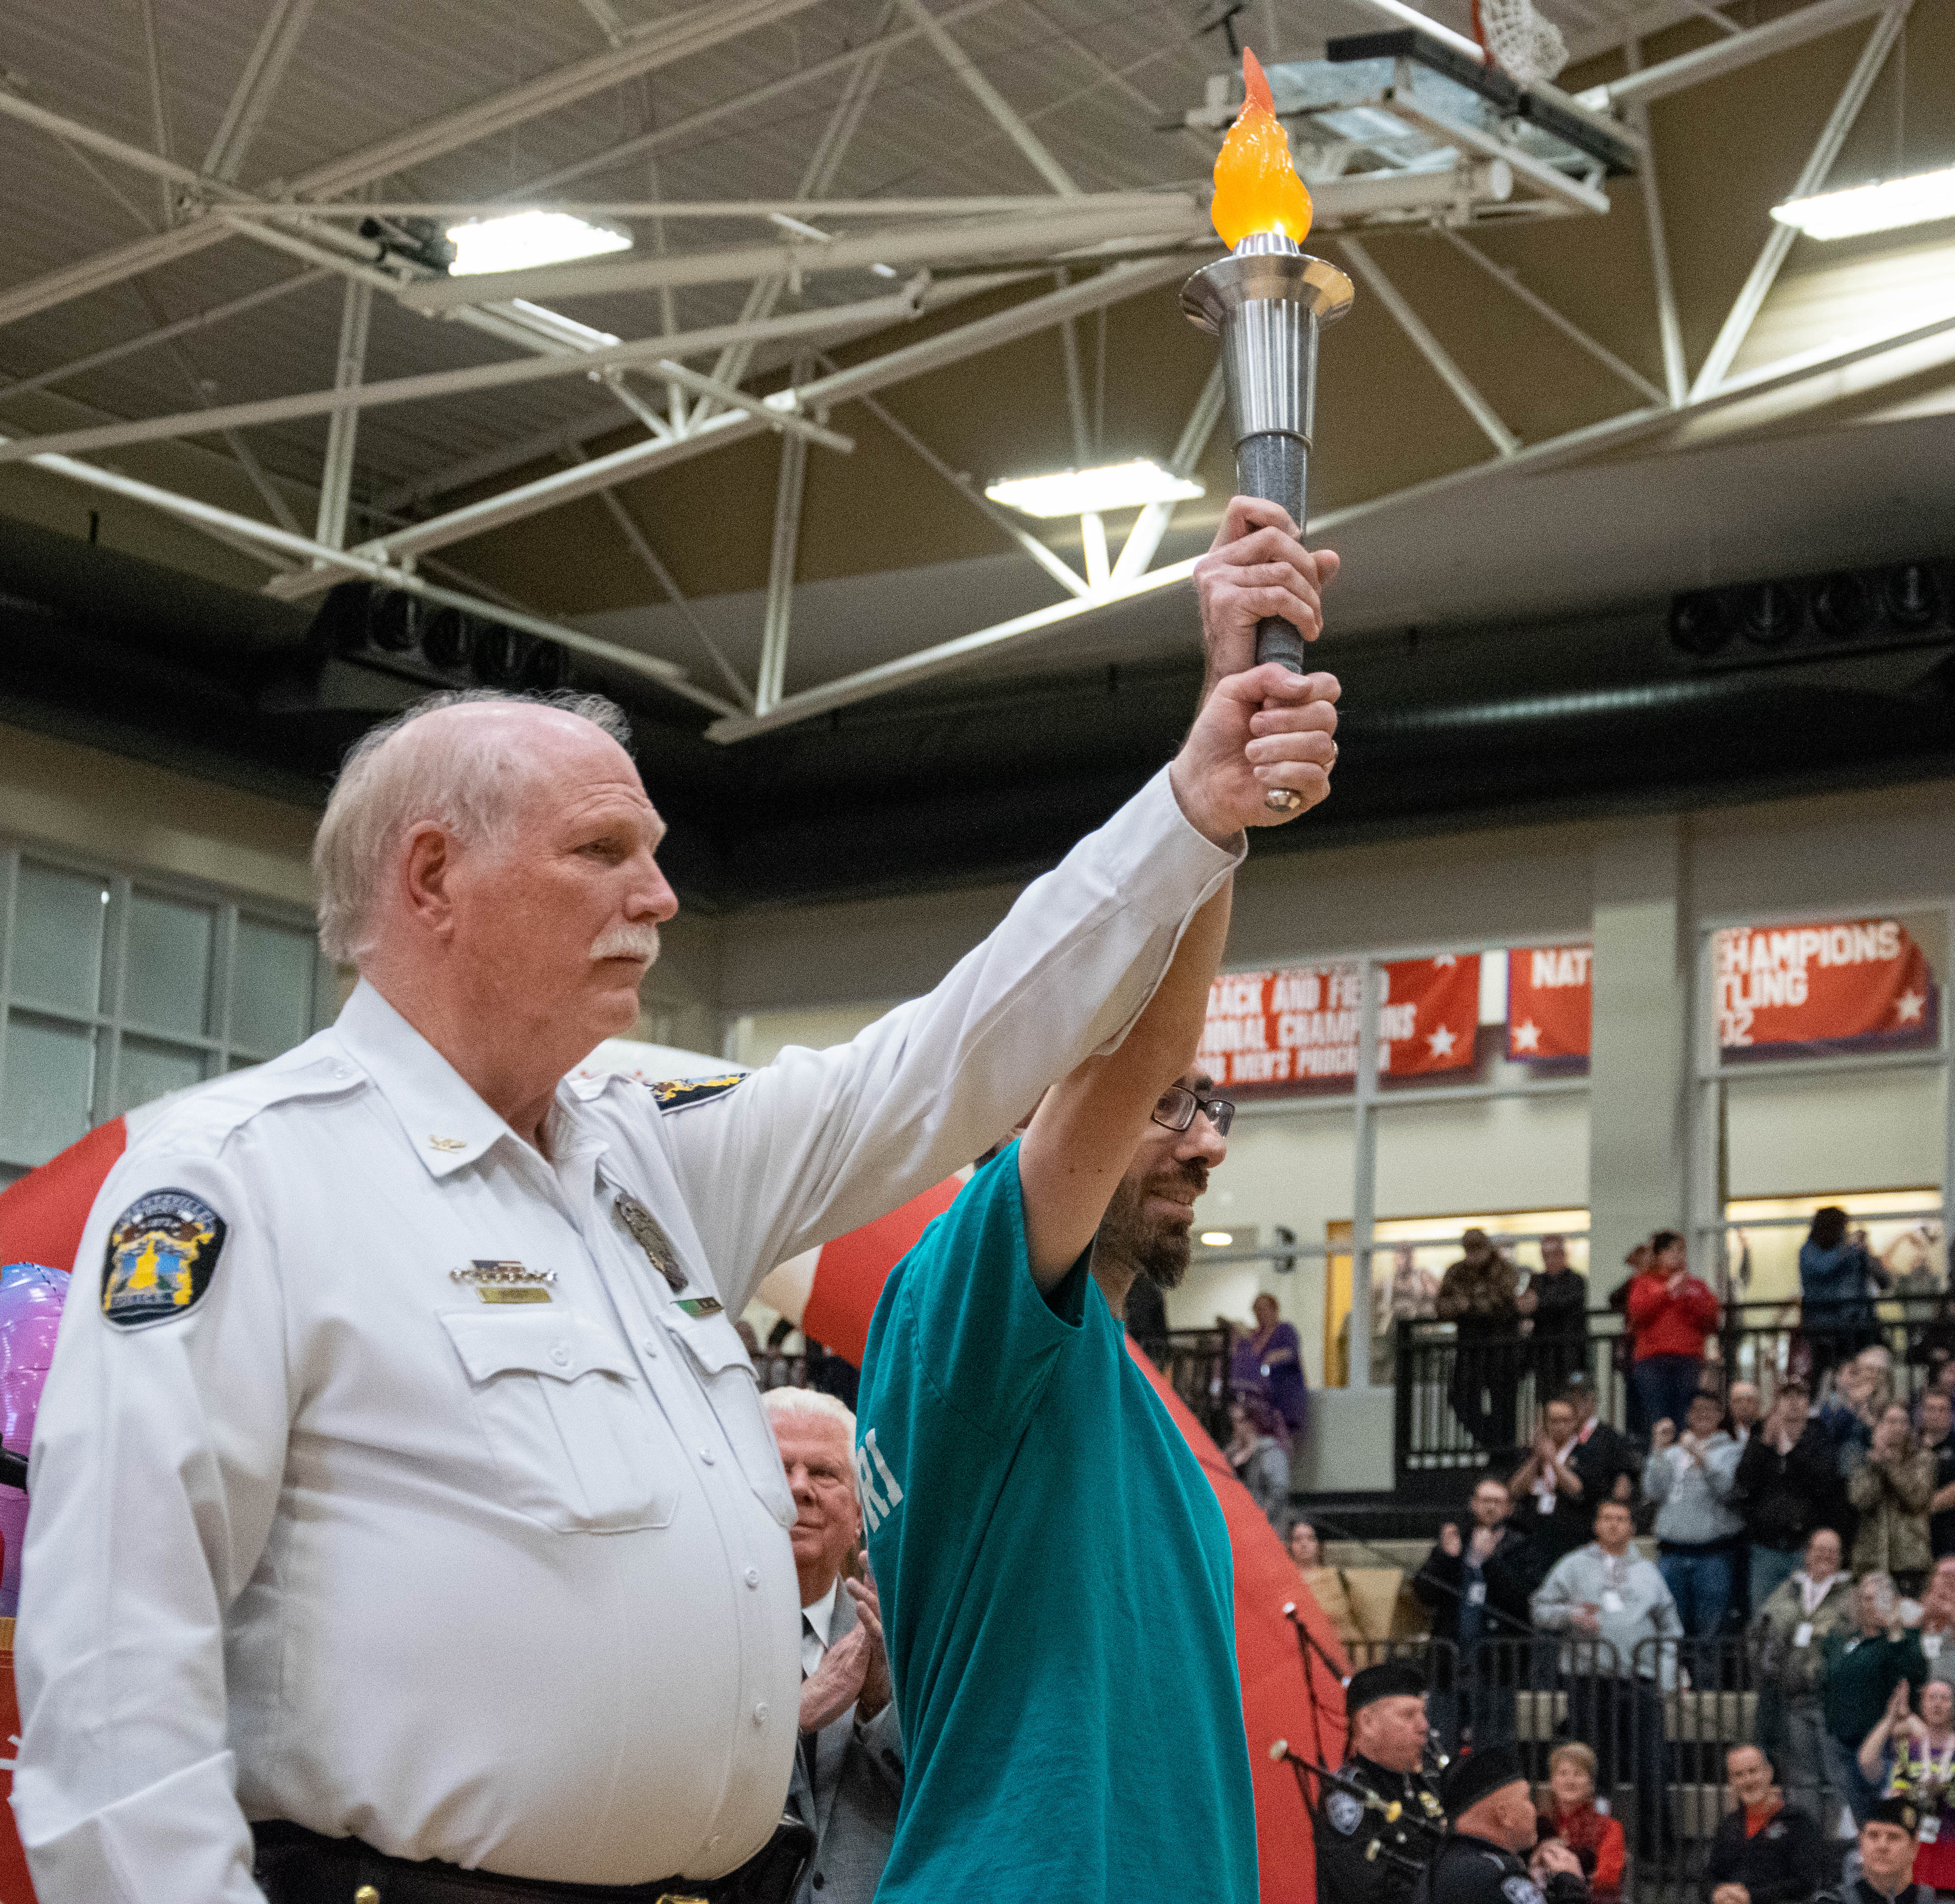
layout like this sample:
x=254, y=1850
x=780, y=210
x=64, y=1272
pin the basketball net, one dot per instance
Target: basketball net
x=1523, y=46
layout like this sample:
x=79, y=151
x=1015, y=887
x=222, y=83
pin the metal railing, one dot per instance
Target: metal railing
x=1464, y=1406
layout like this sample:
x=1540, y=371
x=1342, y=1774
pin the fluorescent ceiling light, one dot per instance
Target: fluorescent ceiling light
x=527, y=238
x=1218, y=1239
x=1092, y=492
x=1895, y=201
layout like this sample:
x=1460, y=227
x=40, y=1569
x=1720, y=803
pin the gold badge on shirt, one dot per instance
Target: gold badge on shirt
x=504, y=1280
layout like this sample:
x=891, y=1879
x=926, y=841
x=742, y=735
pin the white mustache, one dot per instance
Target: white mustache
x=639, y=942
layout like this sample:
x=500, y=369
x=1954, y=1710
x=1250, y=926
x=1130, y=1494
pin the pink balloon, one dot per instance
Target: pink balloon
x=30, y=1312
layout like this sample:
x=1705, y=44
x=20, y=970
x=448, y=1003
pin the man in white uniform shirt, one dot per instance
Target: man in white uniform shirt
x=402, y=1493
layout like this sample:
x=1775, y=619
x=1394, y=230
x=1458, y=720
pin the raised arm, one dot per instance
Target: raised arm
x=1090, y=1123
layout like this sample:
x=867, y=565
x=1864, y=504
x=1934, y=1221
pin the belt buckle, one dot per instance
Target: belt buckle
x=675, y=1897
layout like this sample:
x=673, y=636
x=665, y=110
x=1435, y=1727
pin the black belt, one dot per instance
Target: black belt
x=296, y=1866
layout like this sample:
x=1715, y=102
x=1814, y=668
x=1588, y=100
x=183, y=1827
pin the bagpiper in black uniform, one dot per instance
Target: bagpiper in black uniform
x=1473, y=1870
x=1855, y=1887
x=1371, y=1850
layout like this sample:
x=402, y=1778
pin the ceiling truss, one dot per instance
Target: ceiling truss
x=1105, y=245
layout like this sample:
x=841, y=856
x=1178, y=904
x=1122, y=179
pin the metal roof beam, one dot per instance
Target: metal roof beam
x=648, y=353
x=913, y=360
x=1070, y=225
x=257, y=85
x=1723, y=56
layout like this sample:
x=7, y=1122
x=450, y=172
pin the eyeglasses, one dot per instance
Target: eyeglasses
x=1175, y=1110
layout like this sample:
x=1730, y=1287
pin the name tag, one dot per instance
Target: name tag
x=1543, y=1504
x=1801, y=1634
x=518, y=1292
x=1612, y=1601
x=1931, y=1828
x=1931, y=1645
x=1476, y=1593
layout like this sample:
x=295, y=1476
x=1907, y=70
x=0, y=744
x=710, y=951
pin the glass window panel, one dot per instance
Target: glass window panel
x=271, y=987
x=167, y=985
x=46, y=1088
x=148, y=1069
x=57, y=926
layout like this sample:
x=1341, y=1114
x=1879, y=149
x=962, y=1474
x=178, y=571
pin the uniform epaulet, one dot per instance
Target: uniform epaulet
x=210, y=1113
x=682, y=1093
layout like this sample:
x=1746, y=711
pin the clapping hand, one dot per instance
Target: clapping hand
x=1485, y=1540
x=1663, y=1434
x=1449, y=1541
x=875, y=1694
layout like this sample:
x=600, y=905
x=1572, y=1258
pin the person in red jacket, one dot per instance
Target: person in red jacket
x=1672, y=1313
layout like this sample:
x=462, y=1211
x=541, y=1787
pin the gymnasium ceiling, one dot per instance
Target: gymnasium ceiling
x=1519, y=478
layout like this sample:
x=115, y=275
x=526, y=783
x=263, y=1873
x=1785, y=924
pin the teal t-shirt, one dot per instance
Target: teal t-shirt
x=1056, y=1587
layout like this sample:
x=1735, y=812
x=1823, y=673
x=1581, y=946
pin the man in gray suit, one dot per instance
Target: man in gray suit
x=848, y=1772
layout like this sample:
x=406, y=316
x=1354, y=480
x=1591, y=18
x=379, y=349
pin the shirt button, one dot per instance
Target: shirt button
x=760, y=1714
x=753, y=1576
x=706, y=1455
x=560, y=1354
x=649, y=1346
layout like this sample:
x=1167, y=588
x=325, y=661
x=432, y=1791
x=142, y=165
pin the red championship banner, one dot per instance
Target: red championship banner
x=1549, y=990
x=1858, y=983
x=1291, y=1028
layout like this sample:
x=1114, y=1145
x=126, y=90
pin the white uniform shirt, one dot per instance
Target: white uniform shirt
x=506, y=1584
x=817, y=1619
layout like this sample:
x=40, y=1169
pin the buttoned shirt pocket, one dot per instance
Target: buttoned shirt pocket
x=733, y=1391
x=579, y=1444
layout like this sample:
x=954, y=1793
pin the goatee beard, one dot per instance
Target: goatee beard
x=1158, y=1251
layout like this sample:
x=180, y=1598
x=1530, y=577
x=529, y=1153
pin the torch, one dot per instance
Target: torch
x=1267, y=301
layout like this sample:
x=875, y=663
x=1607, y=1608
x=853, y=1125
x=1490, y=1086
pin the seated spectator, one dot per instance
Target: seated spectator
x=1476, y=1295
x=1268, y=1360
x=1892, y=1487
x=1863, y=1665
x=1326, y=1586
x=1838, y=1283
x=1618, y=1657
x=1935, y=1622
x=1692, y=1478
x=1259, y=1453
x=848, y=1779
x=1765, y=1851
x=1549, y=1856
x=1913, y=1757
x=1792, y=1630
x=1476, y=1587
x=1673, y=1313
x=1555, y=1514
x=1880, y=1868
x=1787, y=1481
x=1937, y=1418
x=1595, y=1838
x=1863, y=1387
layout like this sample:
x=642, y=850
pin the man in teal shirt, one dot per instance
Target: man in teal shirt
x=1035, y=1514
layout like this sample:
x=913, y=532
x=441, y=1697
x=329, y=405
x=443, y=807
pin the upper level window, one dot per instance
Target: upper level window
x=114, y=990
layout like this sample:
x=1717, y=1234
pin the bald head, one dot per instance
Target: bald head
x=489, y=863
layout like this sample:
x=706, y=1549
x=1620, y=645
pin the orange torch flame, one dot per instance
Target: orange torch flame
x=1256, y=187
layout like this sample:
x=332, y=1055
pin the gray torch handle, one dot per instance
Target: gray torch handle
x=1275, y=466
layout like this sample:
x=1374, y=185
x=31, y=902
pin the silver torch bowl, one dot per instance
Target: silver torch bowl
x=1267, y=301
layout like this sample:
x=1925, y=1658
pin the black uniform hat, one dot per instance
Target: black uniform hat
x=1895, y=1811
x=1389, y=1679
x=1468, y=1779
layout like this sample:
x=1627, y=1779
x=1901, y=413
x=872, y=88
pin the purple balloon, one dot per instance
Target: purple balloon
x=30, y=1312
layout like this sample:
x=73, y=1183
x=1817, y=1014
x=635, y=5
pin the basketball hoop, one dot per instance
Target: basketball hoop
x=1523, y=46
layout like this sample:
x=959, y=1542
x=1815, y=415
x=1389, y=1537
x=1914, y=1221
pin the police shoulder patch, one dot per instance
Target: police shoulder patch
x=161, y=1254
x=1521, y=1890
x=1343, y=1809
x=681, y=1093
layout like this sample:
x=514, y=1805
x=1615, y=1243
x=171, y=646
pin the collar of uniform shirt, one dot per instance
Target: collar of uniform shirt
x=447, y=1124
x=817, y=1622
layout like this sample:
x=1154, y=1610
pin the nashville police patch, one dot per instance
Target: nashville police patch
x=1344, y=1809
x=680, y=1093
x=161, y=1254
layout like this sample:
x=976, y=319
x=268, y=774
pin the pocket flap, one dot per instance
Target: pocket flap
x=712, y=1341
x=552, y=1341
